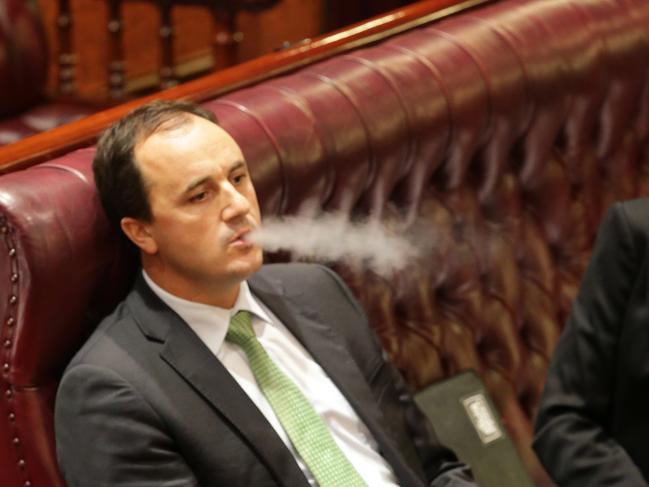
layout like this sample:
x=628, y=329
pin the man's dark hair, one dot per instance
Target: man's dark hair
x=119, y=182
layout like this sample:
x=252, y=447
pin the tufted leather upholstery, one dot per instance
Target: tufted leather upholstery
x=504, y=132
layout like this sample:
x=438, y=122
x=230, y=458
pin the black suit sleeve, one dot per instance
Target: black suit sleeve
x=440, y=465
x=120, y=445
x=571, y=439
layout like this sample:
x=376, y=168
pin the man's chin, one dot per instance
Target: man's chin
x=248, y=266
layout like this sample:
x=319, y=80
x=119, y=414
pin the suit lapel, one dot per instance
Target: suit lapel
x=184, y=351
x=328, y=350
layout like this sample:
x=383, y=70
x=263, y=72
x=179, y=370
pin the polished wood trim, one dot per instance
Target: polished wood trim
x=47, y=145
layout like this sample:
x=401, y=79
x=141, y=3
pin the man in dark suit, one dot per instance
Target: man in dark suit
x=593, y=422
x=163, y=395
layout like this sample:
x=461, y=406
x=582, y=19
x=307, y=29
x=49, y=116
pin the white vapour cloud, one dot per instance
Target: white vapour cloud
x=332, y=237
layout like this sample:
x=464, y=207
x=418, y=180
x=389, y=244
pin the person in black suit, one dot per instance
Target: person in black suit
x=159, y=396
x=593, y=422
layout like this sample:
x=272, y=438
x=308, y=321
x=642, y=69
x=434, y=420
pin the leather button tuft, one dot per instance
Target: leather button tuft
x=114, y=26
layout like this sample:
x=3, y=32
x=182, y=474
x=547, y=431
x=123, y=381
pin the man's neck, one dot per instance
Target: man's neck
x=221, y=295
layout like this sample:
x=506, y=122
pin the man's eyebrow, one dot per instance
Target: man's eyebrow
x=198, y=182
x=237, y=165
x=194, y=184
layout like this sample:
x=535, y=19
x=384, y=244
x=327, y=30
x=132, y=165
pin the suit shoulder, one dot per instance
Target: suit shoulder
x=636, y=206
x=103, y=348
x=312, y=281
x=290, y=269
x=636, y=215
x=298, y=273
x=624, y=230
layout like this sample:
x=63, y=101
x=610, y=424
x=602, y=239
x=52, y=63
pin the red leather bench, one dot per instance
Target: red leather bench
x=506, y=129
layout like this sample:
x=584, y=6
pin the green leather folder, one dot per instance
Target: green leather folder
x=466, y=420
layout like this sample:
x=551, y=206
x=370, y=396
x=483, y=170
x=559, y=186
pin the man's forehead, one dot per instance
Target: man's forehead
x=199, y=135
x=185, y=126
x=195, y=151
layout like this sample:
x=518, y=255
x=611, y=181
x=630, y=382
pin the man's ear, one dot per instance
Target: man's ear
x=138, y=232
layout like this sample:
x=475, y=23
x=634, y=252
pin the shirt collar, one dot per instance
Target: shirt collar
x=209, y=322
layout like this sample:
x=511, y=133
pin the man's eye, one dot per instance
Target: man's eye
x=198, y=197
x=238, y=178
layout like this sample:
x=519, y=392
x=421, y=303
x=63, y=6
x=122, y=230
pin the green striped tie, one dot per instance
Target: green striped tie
x=304, y=427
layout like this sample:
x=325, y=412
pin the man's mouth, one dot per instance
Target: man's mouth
x=239, y=237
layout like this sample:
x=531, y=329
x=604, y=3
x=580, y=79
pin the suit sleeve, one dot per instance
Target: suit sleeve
x=108, y=436
x=440, y=465
x=571, y=434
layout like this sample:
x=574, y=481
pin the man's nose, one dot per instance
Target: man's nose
x=237, y=204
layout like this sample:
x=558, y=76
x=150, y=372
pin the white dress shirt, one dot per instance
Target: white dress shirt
x=211, y=323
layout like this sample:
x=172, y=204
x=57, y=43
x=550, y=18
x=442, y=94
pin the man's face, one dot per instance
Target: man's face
x=202, y=203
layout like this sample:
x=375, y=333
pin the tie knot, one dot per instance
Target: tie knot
x=240, y=329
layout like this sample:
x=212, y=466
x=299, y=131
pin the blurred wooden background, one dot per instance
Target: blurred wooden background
x=194, y=27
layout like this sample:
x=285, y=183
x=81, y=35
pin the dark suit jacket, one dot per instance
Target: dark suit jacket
x=145, y=402
x=593, y=423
